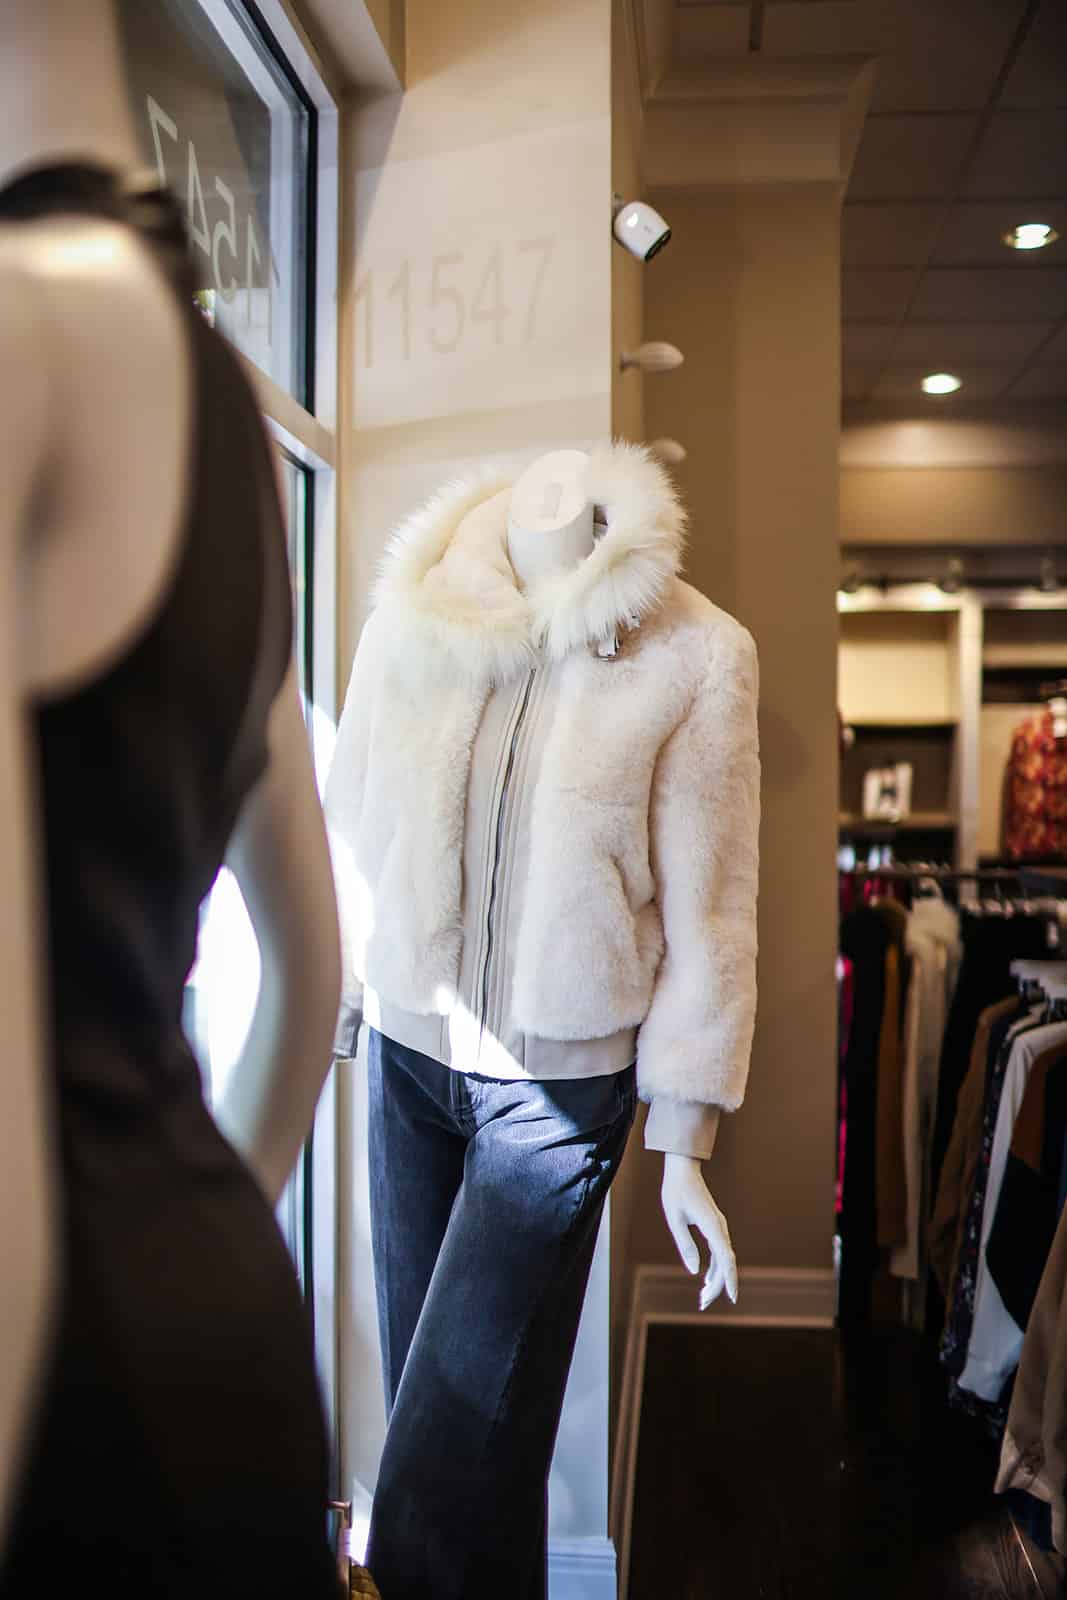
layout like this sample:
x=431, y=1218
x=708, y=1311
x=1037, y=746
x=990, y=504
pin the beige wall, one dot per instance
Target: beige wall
x=627, y=274
x=475, y=327
x=476, y=305
x=749, y=290
x=976, y=505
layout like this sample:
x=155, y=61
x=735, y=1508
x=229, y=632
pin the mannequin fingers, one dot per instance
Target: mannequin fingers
x=684, y=1241
x=712, y=1288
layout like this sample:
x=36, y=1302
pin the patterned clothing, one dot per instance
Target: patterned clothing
x=960, y=1318
x=1035, y=791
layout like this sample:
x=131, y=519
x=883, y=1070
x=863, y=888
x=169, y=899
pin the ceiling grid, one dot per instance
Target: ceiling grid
x=966, y=138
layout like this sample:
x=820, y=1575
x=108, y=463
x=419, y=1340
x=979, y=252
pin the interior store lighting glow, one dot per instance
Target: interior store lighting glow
x=941, y=383
x=1030, y=236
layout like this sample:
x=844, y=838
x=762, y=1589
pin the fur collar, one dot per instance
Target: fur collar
x=447, y=568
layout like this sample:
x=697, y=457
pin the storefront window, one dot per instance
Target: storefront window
x=233, y=135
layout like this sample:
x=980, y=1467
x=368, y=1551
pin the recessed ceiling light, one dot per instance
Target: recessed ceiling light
x=1030, y=236
x=941, y=383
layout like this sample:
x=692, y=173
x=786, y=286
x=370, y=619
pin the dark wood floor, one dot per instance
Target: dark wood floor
x=792, y=1464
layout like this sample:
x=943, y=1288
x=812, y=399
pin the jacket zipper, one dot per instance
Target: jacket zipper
x=498, y=844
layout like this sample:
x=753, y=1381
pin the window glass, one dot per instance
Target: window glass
x=221, y=122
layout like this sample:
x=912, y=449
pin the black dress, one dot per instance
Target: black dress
x=179, y=1447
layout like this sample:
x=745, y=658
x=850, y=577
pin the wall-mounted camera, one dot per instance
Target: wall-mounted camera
x=639, y=227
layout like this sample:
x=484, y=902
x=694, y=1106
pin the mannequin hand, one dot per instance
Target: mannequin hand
x=687, y=1204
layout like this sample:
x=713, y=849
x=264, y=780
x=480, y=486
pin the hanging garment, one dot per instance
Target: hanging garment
x=933, y=946
x=1028, y=1208
x=945, y=1234
x=629, y=786
x=990, y=944
x=179, y=1447
x=1035, y=811
x=995, y=1339
x=1034, y=1453
x=890, y=1178
x=959, y=1319
x=864, y=942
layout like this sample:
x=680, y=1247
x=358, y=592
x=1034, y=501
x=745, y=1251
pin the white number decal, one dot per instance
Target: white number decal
x=402, y=289
x=198, y=228
x=253, y=259
x=225, y=233
x=158, y=118
x=544, y=248
x=440, y=293
x=445, y=318
x=497, y=312
x=365, y=293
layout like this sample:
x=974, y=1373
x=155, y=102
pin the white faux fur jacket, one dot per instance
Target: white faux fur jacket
x=640, y=909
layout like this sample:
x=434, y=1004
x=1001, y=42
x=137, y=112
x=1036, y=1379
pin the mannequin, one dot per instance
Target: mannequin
x=543, y=807
x=550, y=529
x=84, y=569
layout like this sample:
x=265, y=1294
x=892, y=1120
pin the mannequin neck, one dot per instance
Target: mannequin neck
x=538, y=553
x=62, y=92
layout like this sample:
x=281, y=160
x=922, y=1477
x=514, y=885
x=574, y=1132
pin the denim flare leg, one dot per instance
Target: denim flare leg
x=486, y=1196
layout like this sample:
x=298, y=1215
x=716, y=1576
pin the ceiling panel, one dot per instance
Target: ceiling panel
x=1041, y=383
x=1039, y=77
x=892, y=235
x=711, y=31
x=867, y=343
x=941, y=56
x=902, y=382
x=989, y=294
x=980, y=344
x=1023, y=153
x=857, y=379
x=1055, y=352
x=973, y=230
x=910, y=158
x=875, y=296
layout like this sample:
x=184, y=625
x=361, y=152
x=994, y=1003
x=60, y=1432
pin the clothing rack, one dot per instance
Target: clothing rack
x=947, y=874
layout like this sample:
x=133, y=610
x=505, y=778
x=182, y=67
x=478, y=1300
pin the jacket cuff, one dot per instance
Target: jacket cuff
x=682, y=1128
x=346, y=1034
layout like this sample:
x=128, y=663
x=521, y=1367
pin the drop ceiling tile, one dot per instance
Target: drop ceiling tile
x=941, y=56
x=1023, y=153
x=721, y=30
x=858, y=379
x=900, y=382
x=973, y=232
x=878, y=296
x=896, y=234
x=863, y=343
x=947, y=345
x=1041, y=383
x=1039, y=76
x=910, y=157
x=1055, y=352
x=991, y=294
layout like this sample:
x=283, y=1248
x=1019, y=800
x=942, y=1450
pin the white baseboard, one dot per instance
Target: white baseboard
x=768, y=1297
x=581, y=1569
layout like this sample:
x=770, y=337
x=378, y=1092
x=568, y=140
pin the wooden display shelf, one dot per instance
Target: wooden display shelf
x=914, y=822
x=900, y=724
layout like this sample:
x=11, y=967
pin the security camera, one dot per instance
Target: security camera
x=640, y=228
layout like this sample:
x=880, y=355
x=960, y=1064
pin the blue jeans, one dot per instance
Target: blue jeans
x=486, y=1196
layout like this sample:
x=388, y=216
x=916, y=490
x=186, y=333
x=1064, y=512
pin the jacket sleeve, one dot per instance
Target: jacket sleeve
x=343, y=805
x=696, y=1040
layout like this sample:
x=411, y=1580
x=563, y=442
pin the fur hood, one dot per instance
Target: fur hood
x=934, y=920
x=446, y=570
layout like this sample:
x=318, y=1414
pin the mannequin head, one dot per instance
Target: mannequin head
x=550, y=519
